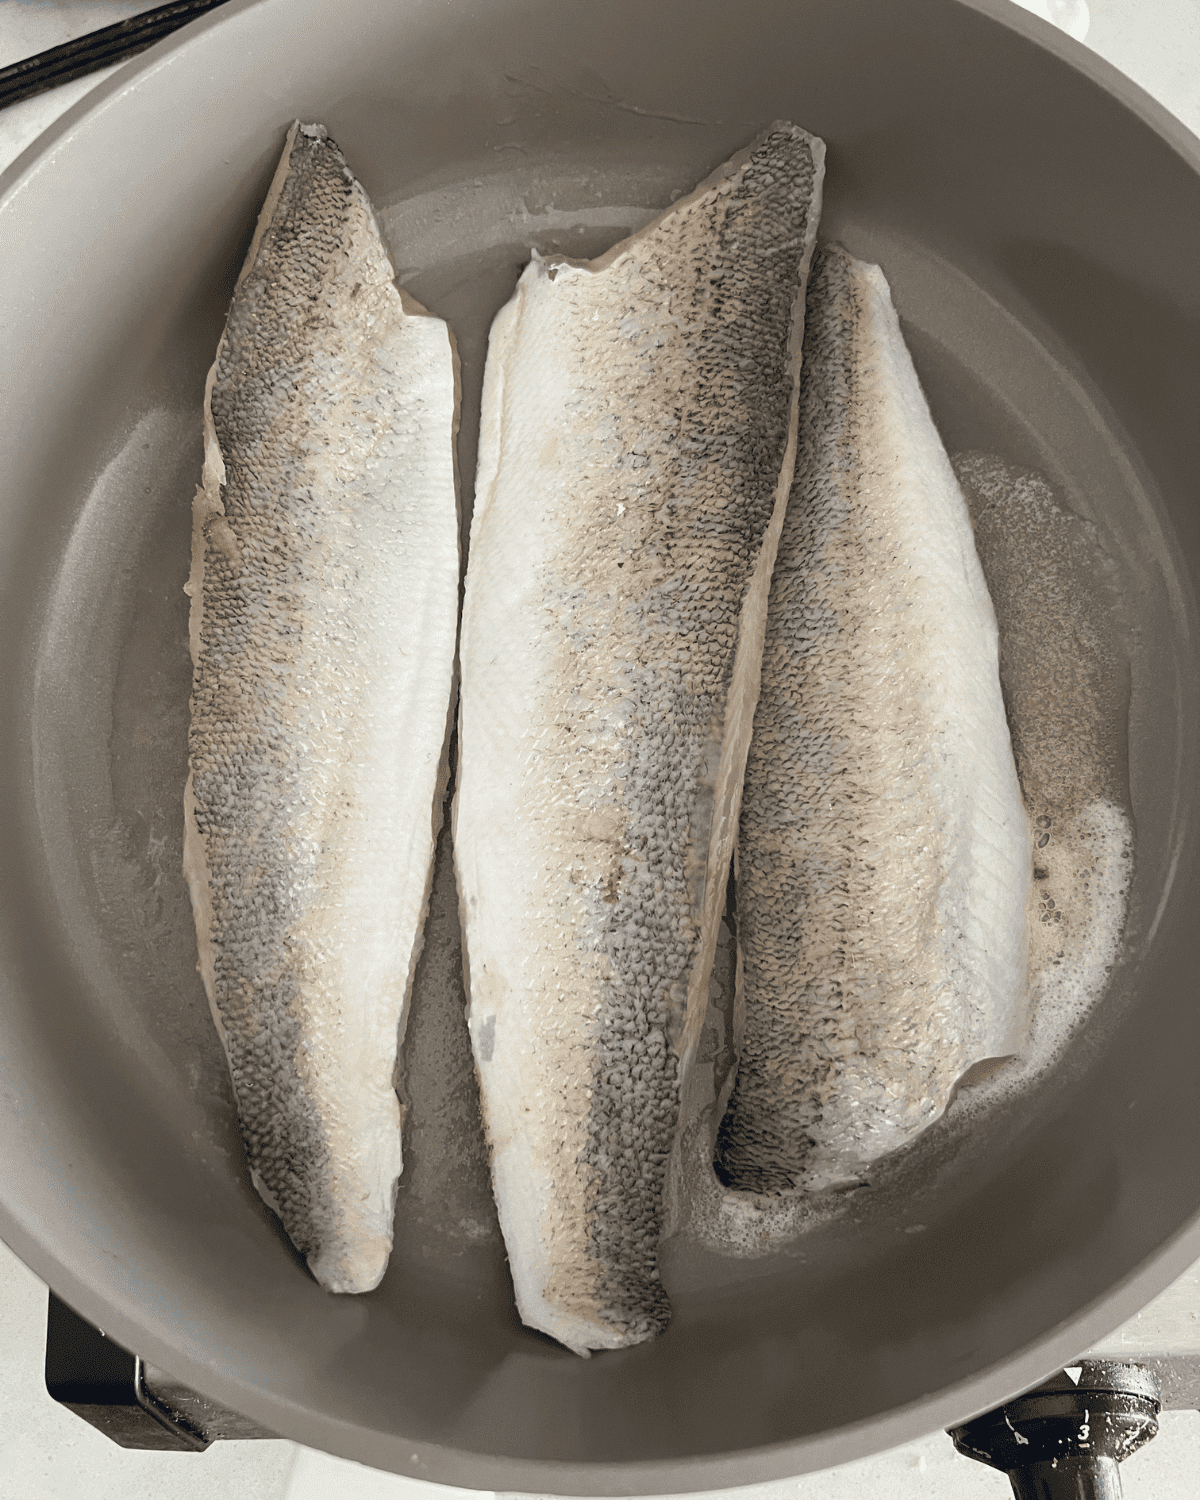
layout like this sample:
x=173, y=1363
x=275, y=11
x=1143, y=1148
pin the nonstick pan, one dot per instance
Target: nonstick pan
x=1038, y=218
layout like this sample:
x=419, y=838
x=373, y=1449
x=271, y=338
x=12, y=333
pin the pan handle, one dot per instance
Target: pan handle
x=97, y=49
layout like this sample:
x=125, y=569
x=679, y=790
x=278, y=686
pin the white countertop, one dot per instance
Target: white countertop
x=47, y=1453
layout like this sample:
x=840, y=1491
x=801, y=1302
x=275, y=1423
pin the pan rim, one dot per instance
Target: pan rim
x=979, y=1393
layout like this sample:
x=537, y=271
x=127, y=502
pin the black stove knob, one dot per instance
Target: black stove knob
x=1064, y=1439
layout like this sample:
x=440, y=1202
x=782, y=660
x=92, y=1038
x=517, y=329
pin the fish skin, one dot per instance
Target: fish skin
x=884, y=856
x=637, y=440
x=324, y=589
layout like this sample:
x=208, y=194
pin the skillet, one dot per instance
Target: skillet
x=1038, y=218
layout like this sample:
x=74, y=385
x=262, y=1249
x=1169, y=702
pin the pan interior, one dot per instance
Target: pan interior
x=871, y=1297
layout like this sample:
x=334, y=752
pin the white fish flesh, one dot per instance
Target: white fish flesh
x=884, y=856
x=638, y=438
x=324, y=590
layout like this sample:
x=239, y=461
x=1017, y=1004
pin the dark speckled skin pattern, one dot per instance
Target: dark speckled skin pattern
x=883, y=861
x=639, y=413
x=324, y=589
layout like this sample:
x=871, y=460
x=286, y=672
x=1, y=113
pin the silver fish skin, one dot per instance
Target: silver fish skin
x=638, y=437
x=884, y=859
x=324, y=588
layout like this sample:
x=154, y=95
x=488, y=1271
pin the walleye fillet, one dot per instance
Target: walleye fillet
x=324, y=589
x=637, y=444
x=884, y=857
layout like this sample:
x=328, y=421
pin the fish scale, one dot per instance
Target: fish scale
x=637, y=439
x=884, y=855
x=324, y=590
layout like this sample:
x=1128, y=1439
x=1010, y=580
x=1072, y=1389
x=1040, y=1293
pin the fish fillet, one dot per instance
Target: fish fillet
x=884, y=857
x=638, y=437
x=324, y=591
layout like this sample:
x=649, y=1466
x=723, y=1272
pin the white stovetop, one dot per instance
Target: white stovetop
x=47, y=1453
